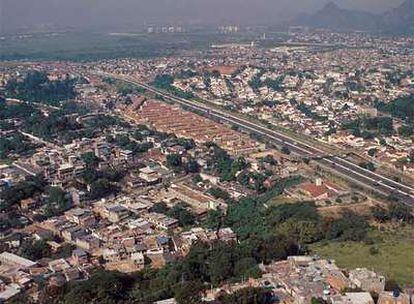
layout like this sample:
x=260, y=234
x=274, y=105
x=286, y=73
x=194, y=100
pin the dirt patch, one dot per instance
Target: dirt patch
x=336, y=211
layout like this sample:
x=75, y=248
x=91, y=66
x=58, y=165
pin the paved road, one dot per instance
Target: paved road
x=343, y=167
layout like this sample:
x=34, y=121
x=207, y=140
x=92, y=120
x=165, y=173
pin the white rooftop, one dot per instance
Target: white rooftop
x=7, y=258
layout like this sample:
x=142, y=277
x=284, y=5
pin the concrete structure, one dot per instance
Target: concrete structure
x=353, y=298
x=11, y=259
x=367, y=280
x=393, y=298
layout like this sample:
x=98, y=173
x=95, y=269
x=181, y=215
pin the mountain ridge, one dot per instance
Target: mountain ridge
x=399, y=20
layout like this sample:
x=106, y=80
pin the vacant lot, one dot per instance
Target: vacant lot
x=394, y=257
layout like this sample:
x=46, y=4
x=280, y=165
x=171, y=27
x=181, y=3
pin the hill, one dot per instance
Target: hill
x=399, y=20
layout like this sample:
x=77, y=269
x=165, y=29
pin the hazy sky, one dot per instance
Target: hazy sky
x=111, y=13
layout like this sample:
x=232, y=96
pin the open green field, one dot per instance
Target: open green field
x=395, y=257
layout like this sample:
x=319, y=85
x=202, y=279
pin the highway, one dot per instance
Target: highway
x=341, y=166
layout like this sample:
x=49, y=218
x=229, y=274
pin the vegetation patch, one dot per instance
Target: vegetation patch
x=390, y=253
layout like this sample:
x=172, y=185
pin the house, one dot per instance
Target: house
x=149, y=175
x=126, y=155
x=42, y=234
x=79, y=257
x=77, y=196
x=161, y=221
x=65, y=172
x=195, y=198
x=13, y=260
x=72, y=233
x=316, y=192
x=72, y=274
x=7, y=292
x=82, y=217
x=353, y=298
x=27, y=204
x=116, y=213
x=168, y=301
x=88, y=243
x=58, y=265
x=122, y=260
x=319, y=190
x=394, y=297
x=367, y=280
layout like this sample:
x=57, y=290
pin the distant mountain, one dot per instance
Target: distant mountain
x=400, y=19
x=331, y=16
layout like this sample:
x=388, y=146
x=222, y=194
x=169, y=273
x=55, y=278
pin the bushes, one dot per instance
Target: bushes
x=350, y=227
x=103, y=287
x=402, y=107
x=36, y=87
x=219, y=193
x=15, y=143
x=396, y=212
x=58, y=202
x=248, y=295
x=20, y=191
x=184, y=217
x=179, y=212
x=265, y=235
x=35, y=250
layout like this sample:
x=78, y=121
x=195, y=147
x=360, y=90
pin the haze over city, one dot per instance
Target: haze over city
x=95, y=14
x=206, y=152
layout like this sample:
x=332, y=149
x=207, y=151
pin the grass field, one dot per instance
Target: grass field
x=395, y=257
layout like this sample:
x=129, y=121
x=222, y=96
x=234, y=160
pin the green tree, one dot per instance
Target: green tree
x=192, y=166
x=90, y=175
x=219, y=193
x=285, y=150
x=160, y=207
x=368, y=165
x=36, y=87
x=246, y=268
x=188, y=292
x=350, y=227
x=412, y=156
x=35, y=250
x=58, y=201
x=248, y=295
x=163, y=81
x=317, y=301
x=101, y=188
x=372, y=152
x=90, y=159
x=184, y=217
x=28, y=188
x=103, y=287
x=401, y=212
x=406, y=131
x=304, y=232
x=213, y=220
x=174, y=161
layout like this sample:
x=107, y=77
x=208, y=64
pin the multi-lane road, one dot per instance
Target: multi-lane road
x=353, y=172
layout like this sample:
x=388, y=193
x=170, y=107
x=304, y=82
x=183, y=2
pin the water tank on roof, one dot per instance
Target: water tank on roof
x=396, y=293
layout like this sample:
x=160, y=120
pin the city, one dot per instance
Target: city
x=259, y=168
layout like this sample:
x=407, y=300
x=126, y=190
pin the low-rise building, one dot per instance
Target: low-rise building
x=161, y=221
x=353, y=298
x=395, y=297
x=367, y=280
x=10, y=259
